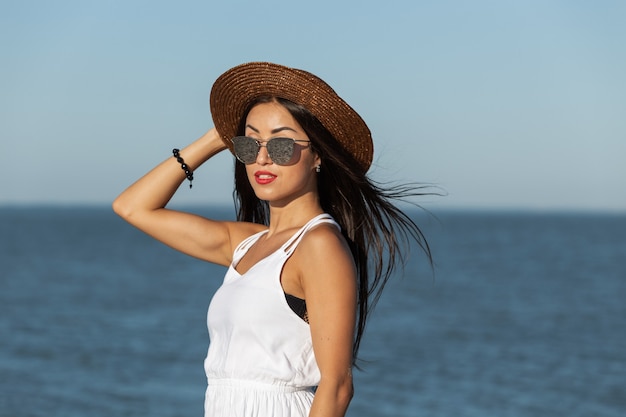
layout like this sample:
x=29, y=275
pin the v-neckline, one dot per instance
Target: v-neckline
x=286, y=244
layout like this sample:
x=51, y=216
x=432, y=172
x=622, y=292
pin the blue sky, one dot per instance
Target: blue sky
x=503, y=104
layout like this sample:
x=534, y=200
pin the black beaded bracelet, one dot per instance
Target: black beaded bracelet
x=183, y=165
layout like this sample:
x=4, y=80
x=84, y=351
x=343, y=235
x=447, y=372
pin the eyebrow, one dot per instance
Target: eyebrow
x=274, y=131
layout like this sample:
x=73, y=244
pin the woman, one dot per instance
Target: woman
x=286, y=324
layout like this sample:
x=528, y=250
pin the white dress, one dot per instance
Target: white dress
x=260, y=361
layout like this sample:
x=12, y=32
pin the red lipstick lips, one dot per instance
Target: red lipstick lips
x=264, y=177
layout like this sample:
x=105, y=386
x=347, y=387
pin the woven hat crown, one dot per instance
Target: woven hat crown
x=234, y=90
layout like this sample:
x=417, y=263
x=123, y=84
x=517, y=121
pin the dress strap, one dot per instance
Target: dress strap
x=242, y=248
x=293, y=242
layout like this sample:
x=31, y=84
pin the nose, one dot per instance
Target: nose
x=262, y=157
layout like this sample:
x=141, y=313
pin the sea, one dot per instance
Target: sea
x=523, y=314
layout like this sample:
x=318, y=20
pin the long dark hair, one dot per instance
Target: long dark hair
x=377, y=231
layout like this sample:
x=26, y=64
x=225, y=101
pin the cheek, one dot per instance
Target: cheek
x=309, y=159
x=306, y=173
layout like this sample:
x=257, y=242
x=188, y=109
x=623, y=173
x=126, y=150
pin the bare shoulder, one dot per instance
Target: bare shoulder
x=324, y=251
x=324, y=238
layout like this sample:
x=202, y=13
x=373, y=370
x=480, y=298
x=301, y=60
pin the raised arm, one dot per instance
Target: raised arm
x=143, y=205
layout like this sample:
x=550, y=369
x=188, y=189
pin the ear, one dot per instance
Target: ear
x=317, y=160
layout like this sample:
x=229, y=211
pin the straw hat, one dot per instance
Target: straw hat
x=234, y=90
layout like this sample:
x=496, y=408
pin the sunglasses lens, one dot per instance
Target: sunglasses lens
x=280, y=150
x=246, y=149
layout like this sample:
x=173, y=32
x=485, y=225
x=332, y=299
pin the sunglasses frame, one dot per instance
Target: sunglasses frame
x=265, y=144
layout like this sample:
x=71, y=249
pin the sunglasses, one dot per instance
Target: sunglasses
x=280, y=150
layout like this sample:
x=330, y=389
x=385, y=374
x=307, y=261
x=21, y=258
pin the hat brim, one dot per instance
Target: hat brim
x=234, y=90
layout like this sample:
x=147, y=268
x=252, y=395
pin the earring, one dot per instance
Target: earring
x=318, y=168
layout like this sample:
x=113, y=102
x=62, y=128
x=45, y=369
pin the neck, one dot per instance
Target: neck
x=293, y=214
